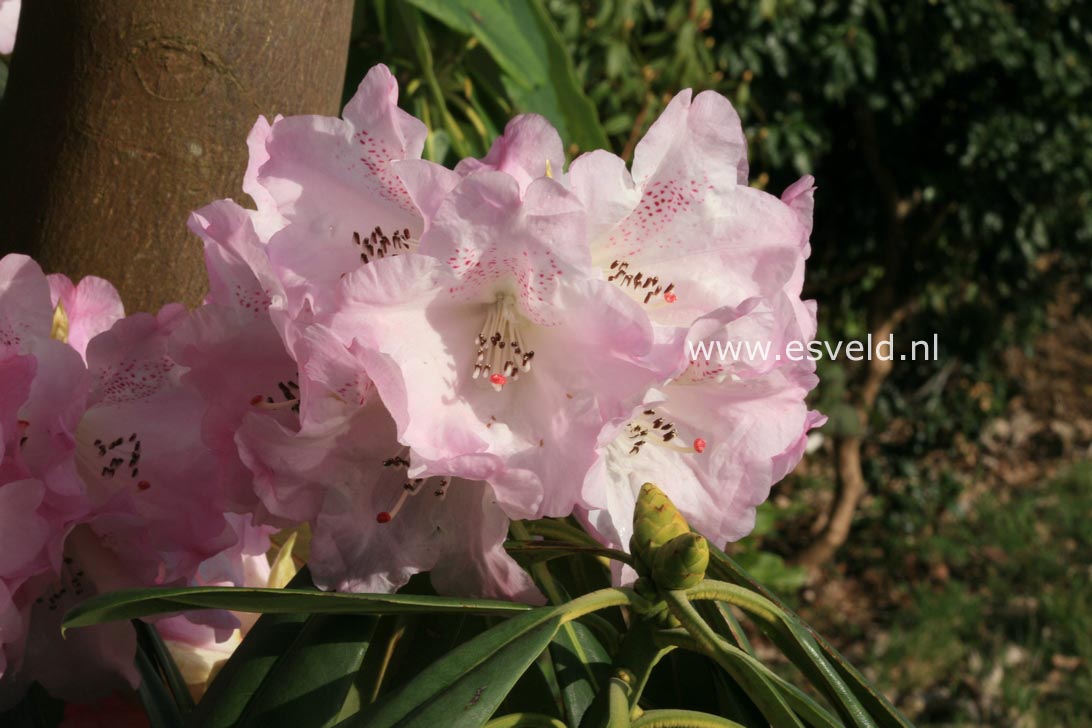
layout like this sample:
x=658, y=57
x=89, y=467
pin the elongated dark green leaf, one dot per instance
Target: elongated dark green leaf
x=374, y=676
x=561, y=99
x=151, y=643
x=157, y=700
x=538, y=73
x=733, y=702
x=230, y=692
x=536, y=552
x=536, y=691
x=581, y=664
x=132, y=603
x=751, y=674
x=464, y=688
x=310, y=682
x=879, y=707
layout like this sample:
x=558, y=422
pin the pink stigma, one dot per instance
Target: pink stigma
x=383, y=517
x=499, y=379
x=699, y=445
x=256, y=399
x=143, y=485
x=670, y=297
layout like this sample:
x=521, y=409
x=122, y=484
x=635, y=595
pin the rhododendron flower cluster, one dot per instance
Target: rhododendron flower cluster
x=9, y=21
x=405, y=357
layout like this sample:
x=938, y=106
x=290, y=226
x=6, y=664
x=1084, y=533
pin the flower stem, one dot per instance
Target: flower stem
x=593, y=602
x=682, y=719
x=525, y=720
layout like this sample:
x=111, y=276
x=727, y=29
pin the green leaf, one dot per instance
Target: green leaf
x=133, y=603
x=538, y=71
x=374, y=675
x=751, y=674
x=537, y=552
x=152, y=645
x=310, y=682
x=581, y=663
x=154, y=696
x=879, y=707
x=272, y=635
x=463, y=689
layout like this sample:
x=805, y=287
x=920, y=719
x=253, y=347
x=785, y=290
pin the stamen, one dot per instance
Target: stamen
x=646, y=287
x=410, y=488
x=122, y=453
x=649, y=428
x=271, y=404
x=380, y=245
x=502, y=354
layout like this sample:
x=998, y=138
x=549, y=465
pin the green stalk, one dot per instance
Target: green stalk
x=525, y=720
x=682, y=719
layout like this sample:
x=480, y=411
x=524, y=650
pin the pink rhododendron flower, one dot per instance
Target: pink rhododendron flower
x=500, y=354
x=330, y=183
x=44, y=385
x=373, y=525
x=9, y=22
x=318, y=440
x=105, y=480
x=702, y=254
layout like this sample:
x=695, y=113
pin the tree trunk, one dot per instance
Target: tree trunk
x=122, y=116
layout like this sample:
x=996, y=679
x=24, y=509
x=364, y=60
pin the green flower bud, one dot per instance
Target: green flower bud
x=656, y=521
x=681, y=562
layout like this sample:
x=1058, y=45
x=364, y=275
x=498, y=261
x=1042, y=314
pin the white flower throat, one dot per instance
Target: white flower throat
x=502, y=354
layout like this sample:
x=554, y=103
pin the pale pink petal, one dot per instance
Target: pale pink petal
x=9, y=22
x=738, y=425
x=530, y=148
x=486, y=232
x=17, y=374
x=236, y=363
x=602, y=183
x=428, y=184
x=90, y=307
x=23, y=532
x=713, y=247
x=702, y=138
x=25, y=312
x=238, y=267
x=333, y=183
x=141, y=448
x=51, y=414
